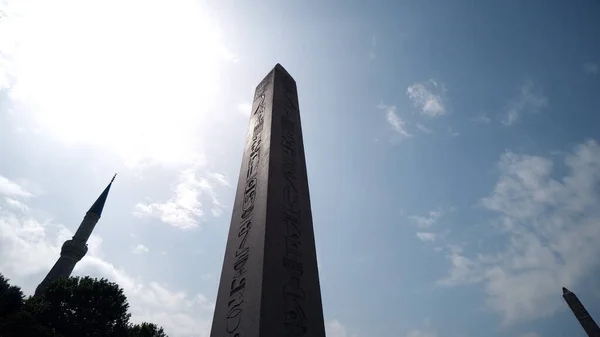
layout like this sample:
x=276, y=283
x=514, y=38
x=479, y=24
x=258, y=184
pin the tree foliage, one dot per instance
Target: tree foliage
x=15, y=321
x=24, y=324
x=83, y=307
x=146, y=330
x=73, y=307
x=11, y=298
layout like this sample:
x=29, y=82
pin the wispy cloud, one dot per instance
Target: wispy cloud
x=422, y=333
x=552, y=226
x=428, y=220
x=218, y=177
x=334, y=328
x=428, y=97
x=426, y=236
x=140, y=249
x=529, y=100
x=395, y=121
x=424, y=128
x=184, y=209
x=482, y=119
x=10, y=188
x=15, y=204
x=591, y=68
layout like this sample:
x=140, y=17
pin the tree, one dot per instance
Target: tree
x=82, y=307
x=11, y=298
x=14, y=322
x=73, y=307
x=146, y=330
x=24, y=324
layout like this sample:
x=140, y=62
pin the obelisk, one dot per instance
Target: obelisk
x=587, y=322
x=270, y=282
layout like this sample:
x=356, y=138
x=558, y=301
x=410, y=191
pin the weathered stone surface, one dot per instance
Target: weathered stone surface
x=269, y=283
x=583, y=316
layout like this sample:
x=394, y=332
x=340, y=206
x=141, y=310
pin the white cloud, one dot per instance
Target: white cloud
x=140, y=249
x=552, y=226
x=424, y=128
x=184, y=209
x=426, y=236
x=10, y=188
x=221, y=179
x=591, y=68
x=334, y=328
x=421, y=333
x=463, y=270
x=24, y=247
x=15, y=204
x=482, y=119
x=179, y=313
x=427, y=221
x=529, y=100
x=29, y=247
x=19, y=232
x=396, y=122
x=428, y=97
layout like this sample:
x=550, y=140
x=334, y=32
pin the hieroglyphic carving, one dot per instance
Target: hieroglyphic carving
x=260, y=88
x=242, y=253
x=294, y=295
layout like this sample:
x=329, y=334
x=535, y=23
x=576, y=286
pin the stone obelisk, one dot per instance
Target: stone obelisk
x=270, y=282
x=587, y=322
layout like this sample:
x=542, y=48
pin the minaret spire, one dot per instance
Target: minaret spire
x=74, y=250
x=99, y=204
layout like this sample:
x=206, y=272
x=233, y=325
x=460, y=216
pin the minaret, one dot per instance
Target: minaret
x=582, y=315
x=75, y=249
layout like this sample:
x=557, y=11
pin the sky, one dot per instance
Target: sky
x=453, y=153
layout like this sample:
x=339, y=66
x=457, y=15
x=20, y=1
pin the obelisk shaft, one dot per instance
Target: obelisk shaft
x=269, y=283
x=581, y=313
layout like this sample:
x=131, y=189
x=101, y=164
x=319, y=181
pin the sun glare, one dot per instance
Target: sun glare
x=134, y=75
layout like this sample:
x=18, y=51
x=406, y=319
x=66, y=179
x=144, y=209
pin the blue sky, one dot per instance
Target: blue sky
x=452, y=152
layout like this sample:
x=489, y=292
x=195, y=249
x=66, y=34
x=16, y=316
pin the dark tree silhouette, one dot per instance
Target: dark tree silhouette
x=146, y=330
x=82, y=307
x=73, y=307
x=24, y=324
x=11, y=298
x=14, y=321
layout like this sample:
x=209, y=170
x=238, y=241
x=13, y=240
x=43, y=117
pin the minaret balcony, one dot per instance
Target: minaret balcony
x=73, y=250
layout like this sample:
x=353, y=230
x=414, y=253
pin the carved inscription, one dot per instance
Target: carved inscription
x=238, y=284
x=580, y=311
x=294, y=296
x=260, y=88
